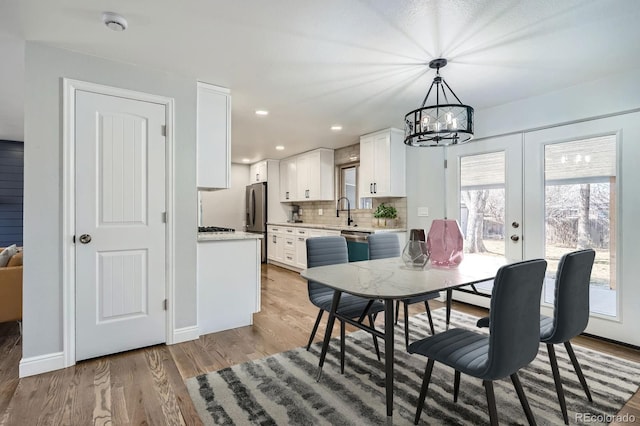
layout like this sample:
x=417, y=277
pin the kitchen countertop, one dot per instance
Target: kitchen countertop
x=225, y=236
x=336, y=227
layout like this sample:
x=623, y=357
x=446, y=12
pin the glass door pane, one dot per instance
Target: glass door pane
x=482, y=205
x=580, y=213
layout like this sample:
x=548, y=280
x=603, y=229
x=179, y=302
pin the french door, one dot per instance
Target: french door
x=581, y=186
x=548, y=192
x=485, y=178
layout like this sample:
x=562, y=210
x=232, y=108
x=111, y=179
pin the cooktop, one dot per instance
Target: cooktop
x=214, y=229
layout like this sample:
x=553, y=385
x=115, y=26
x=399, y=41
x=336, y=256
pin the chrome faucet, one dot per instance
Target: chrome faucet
x=349, y=220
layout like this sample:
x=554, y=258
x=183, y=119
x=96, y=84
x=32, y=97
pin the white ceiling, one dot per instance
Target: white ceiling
x=312, y=64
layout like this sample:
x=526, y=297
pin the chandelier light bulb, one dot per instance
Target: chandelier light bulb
x=425, y=123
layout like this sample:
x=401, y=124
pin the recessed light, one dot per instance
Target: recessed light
x=114, y=22
x=262, y=112
x=246, y=160
x=279, y=147
x=336, y=128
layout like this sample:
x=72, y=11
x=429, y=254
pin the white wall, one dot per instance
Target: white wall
x=45, y=67
x=226, y=207
x=616, y=93
x=425, y=185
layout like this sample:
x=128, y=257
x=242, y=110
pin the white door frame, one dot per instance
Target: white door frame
x=69, y=89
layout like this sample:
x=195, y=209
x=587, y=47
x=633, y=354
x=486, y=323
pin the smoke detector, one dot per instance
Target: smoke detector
x=114, y=22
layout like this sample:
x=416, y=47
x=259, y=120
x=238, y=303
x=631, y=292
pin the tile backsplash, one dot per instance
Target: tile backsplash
x=362, y=217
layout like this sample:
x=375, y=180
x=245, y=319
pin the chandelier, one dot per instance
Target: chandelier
x=441, y=124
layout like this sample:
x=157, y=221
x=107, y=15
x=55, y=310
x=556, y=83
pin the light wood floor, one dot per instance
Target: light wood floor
x=146, y=386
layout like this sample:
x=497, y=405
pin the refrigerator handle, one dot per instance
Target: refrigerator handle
x=253, y=207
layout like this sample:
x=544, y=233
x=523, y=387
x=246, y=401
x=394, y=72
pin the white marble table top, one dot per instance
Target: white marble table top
x=391, y=279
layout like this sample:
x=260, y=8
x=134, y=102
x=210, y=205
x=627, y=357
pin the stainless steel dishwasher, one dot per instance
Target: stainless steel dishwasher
x=357, y=244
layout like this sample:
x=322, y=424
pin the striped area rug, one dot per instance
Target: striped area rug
x=282, y=389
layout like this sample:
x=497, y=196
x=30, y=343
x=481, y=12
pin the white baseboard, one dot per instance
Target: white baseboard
x=41, y=364
x=186, y=334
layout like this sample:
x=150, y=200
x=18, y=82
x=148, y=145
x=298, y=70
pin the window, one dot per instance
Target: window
x=348, y=185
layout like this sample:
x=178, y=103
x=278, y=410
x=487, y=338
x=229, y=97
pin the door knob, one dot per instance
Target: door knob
x=515, y=238
x=515, y=224
x=85, y=238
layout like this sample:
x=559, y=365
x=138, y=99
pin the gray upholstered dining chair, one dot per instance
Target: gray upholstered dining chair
x=512, y=342
x=330, y=251
x=386, y=244
x=570, y=316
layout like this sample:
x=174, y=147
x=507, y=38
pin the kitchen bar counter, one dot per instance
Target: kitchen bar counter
x=228, y=275
x=336, y=227
x=224, y=236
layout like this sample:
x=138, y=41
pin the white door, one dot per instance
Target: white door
x=486, y=179
x=581, y=192
x=120, y=231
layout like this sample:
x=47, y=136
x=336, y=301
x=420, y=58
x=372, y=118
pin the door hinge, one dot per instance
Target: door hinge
x=165, y=304
x=445, y=164
x=164, y=217
x=163, y=130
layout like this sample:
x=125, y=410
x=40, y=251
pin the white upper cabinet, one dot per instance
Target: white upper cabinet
x=382, y=164
x=213, y=136
x=258, y=172
x=308, y=176
x=288, y=179
x=314, y=176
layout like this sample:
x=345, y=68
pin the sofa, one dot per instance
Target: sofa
x=11, y=289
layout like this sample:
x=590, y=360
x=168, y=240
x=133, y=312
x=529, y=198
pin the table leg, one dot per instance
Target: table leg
x=388, y=353
x=449, y=297
x=327, y=334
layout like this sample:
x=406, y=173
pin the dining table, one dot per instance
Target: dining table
x=390, y=280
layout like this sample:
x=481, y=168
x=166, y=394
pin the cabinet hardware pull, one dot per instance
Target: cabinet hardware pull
x=370, y=188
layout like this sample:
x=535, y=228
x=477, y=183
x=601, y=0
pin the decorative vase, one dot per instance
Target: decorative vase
x=445, y=243
x=415, y=254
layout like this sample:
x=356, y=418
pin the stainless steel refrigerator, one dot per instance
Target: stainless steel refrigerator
x=256, y=205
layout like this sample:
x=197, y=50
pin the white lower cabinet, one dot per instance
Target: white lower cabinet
x=275, y=250
x=287, y=246
x=301, y=247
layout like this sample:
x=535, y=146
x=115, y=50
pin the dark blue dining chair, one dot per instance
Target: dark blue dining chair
x=570, y=316
x=330, y=251
x=512, y=342
x=383, y=245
